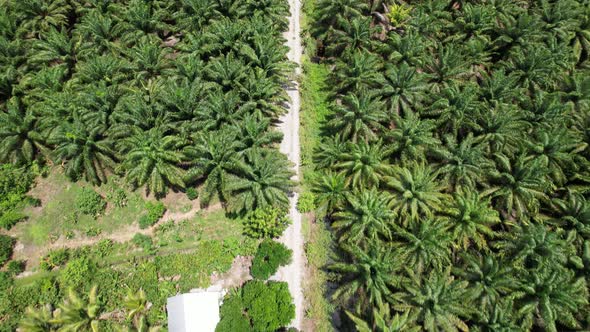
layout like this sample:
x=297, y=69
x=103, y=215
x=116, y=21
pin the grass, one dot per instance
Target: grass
x=57, y=216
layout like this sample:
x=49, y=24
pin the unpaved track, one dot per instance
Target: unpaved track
x=292, y=237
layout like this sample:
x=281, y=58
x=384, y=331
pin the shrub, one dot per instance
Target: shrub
x=118, y=197
x=268, y=258
x=155, y=211
x=77, y=273
x=192, y=193
x=6, y=246
x=306, y=202
x=14, y=185
x=257, y=306
x=266, y=223
x=143, y=241
x=104, y=247
x=11, y=218
x=89, y=202
x=15, y=267
x=55, y=258
x=5, y=281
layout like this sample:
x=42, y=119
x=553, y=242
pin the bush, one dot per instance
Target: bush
x=5, y=281
x=104, y=247
x=192, y=193
x=55, y=258
x=155, y=211
x=143, y=241
x=268, y=258
x=14, y=185
x=10, y=218
x=89, y=202
x=306, y=202
x=6, y=246
x=257, y=306
x=266, y=223
x=15, y=267
x=118, y=197
x=77, y=273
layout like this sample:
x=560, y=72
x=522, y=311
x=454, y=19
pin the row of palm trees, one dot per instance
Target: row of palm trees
x=166, y=94
x=454, y=165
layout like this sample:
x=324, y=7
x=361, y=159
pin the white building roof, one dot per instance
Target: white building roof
x=195, y=311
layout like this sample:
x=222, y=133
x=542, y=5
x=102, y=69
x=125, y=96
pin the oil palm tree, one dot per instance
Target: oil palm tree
x=471, y=219
x=366, y=218
x=353, y=35
x=370, y=275
x=330, y=191
x=213, y=157
x=21, y=140
x=403, y=88
x=38, y=320
x=264, y=182
x=78, y=314
x=411, y=137
x=416, y=192
x=440, y=302
x=255, y=132
x=358, y=118
x=84, y=150
x=151, y=158
x=384, y=321
x=463, y=163
x=364, y=164
x=424, y=246
x=40, y=16
x=518, y=185
x=572, y=213
x=490, y=278
x=359, y=71
x=552, y=297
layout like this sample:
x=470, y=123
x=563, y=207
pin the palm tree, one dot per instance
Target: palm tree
x=463, y=163
x=385, y=322
x=358, y=117
x=196, y=14
x=369, y=277
x=83, y=150
x=403, y=88
x=55, y=49
x=501, y=317
x=334, y=13
x=456, y=108
x=572, y=213
x=471, y=219
x=448, y=65
x=364, y=164
x=40, y=16
x=534, y=246
x=330, y=192
x=219, y=109
x=440, y=302
x=490, y=279
x=151, y=158
x=416, y=192
x=38, y=320
x=227, y=71
x=21, y=141
x=555, y=149
x=550, y=297
x=213, y=157
x=149, y=60
x=263, y=94
x=366, y=218
x=101, y=30
x=518, y=185
x=255, y=132
x=264, y=53
x=501, y=127
x=424, y=245
x=353, y=35
x=264, y=182
x=77, y=314
x=359, y=71
x=411, y=137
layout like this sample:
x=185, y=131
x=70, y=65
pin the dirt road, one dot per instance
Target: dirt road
x=292, y=237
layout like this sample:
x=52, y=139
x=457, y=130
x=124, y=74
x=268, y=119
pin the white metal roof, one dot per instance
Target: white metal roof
x=194, y=312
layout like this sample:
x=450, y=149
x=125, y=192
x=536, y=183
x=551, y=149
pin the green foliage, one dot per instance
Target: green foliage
x=6, y=246
x=143, y=241
x=306, y=202
x=155, y=211
x=55, y=258
x=192, y=193
x=257, y=306
x=14, y=184
x=269, y=257
x=89, y=202
x=77, y=273
x=118, y=197
x=15, y=267
x=266, y=223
